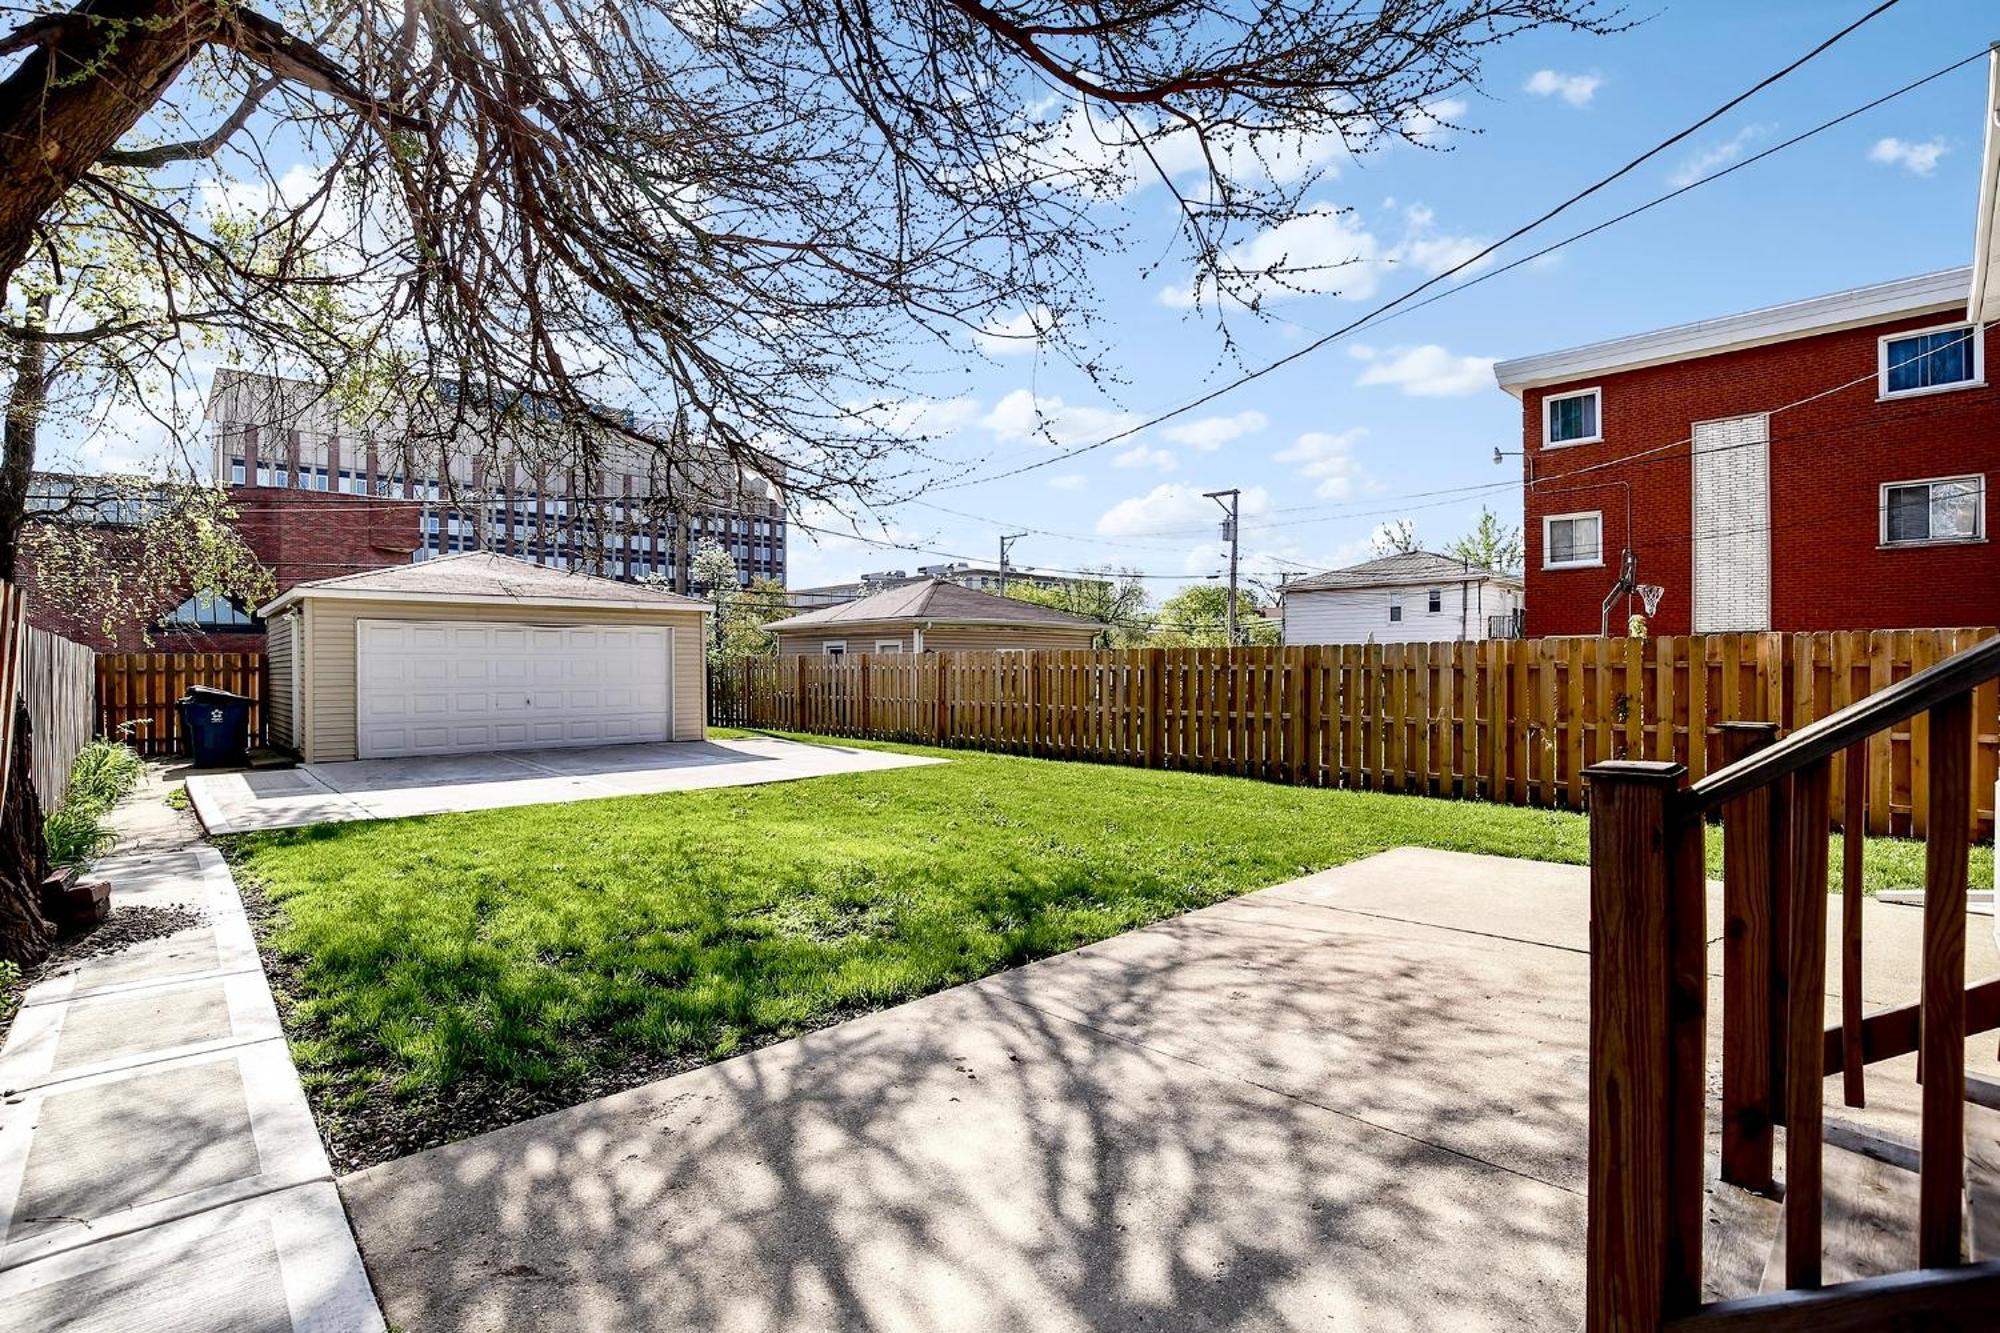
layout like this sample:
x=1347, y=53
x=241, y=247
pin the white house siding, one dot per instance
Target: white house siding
x=1359, y=615
x=279, y=706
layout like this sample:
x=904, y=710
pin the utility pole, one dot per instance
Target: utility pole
x=1229, y=533
x=1006, y=545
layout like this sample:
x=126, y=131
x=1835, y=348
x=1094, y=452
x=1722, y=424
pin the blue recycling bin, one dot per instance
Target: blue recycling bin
x=217, y=726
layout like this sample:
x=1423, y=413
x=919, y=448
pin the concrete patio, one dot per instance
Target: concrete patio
x=1356, y=1100
x=397, y=788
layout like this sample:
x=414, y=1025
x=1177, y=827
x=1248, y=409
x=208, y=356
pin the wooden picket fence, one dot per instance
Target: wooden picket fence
x=58, y=684
x=1515, y=721
x=136, y=694
x=13, y=629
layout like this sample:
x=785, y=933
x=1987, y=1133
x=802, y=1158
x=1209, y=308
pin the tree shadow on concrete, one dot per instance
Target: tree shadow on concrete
x=1260, y=1115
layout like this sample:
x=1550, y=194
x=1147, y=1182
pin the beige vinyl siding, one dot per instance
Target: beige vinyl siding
x=940, y=638
x=279, y=707
x=987, y=638
x=330, y=661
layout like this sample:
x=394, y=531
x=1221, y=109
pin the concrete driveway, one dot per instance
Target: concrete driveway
x=443, y=784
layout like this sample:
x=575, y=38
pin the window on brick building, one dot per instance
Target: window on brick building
x=1930, y=360
x=1572, y=418
x=1572, y=540
x=209, y=611
x=1944, y=509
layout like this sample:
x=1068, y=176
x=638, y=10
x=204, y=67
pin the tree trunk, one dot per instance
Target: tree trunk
x=97, y=70
x=24, y=933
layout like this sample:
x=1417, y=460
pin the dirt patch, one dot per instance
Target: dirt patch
x=123, y=928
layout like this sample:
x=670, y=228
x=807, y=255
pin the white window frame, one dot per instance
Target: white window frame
x=1595, y=391
x=1979, y=533
x=1548, y=519
x=833, y=648
x=1434, y=601
x=1883, y=393
x=1395, y=608
x=888, y=645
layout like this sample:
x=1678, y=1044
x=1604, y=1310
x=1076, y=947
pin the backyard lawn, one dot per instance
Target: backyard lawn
x=447, y=974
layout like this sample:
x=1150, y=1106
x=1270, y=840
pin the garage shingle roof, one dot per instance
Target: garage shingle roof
x=483, y=576
x=933, y=599
x=1403, y=567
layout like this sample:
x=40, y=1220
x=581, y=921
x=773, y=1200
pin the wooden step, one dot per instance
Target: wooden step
x=1982, y=1181
x=1868, y=1225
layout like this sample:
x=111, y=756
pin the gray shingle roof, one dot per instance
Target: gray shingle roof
x=484, y=576
x=933, y=599
x=1403, y=567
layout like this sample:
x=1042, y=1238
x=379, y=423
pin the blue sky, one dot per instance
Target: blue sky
x=1329, y=448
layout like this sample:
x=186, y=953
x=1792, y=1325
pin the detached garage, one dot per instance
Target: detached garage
x=480, y=652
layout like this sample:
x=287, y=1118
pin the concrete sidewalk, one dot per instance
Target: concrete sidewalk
x=443, y=784
x=159, y=1166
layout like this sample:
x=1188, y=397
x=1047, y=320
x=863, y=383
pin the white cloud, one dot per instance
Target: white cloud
x=927, y=418
x=1576, y=89
x=1324, y=252
x=1016, y=335
x=1068, y=481
x=1919, y=159
x=1326, y=459
x=1426, y=371
x=1140, y=455
x=1211, y=433
x=1174, y=507
x=1329, y=252
x=1022, y=418
x=1716, y=155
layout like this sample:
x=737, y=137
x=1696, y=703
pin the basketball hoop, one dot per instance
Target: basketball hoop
x=1650, y=595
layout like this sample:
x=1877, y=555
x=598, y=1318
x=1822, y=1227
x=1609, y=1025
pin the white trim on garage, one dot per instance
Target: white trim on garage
x=449, y=686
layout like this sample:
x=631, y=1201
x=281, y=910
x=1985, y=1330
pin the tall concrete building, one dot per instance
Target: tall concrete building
x=616, y=515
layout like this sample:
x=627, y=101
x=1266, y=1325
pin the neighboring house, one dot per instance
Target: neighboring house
x=282, y=434
x=980, y=578
x=478, y=652
x=931, y=616
x=1818, y=465
x=1410, y=597
x=295, y=535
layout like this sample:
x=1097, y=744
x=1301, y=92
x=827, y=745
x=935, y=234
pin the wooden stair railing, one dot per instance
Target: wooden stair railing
x=1648, y=1016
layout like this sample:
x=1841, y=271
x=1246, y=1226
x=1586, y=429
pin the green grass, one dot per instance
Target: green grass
x=539, y=947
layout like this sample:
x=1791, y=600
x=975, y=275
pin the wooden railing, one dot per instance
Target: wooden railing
x=1649, y=995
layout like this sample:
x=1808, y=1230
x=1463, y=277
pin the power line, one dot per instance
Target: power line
x=1383, y=309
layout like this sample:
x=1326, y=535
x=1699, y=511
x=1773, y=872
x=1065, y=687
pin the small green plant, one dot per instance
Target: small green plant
x=177, y=797
x=102, y=774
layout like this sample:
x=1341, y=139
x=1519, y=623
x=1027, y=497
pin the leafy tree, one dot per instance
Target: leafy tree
x=737, y=227
x=1198, y=617
x=1491, y=544
x=1398, y=537
x=1118, y=601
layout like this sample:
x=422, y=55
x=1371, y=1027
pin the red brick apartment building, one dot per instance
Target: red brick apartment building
x=296, y=535
x=1812, y=466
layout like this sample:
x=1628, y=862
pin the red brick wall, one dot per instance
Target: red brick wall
x=1828, y=460
x=298, y=535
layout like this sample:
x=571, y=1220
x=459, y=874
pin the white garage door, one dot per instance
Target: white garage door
x=447, y=688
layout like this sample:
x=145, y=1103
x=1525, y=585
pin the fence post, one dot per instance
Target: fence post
x=1748, y=926
x=1156, y=722
x=943, y=721
x=1647, y=1008
x=1942, y=1050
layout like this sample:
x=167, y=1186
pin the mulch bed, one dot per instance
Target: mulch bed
x=123, y=928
